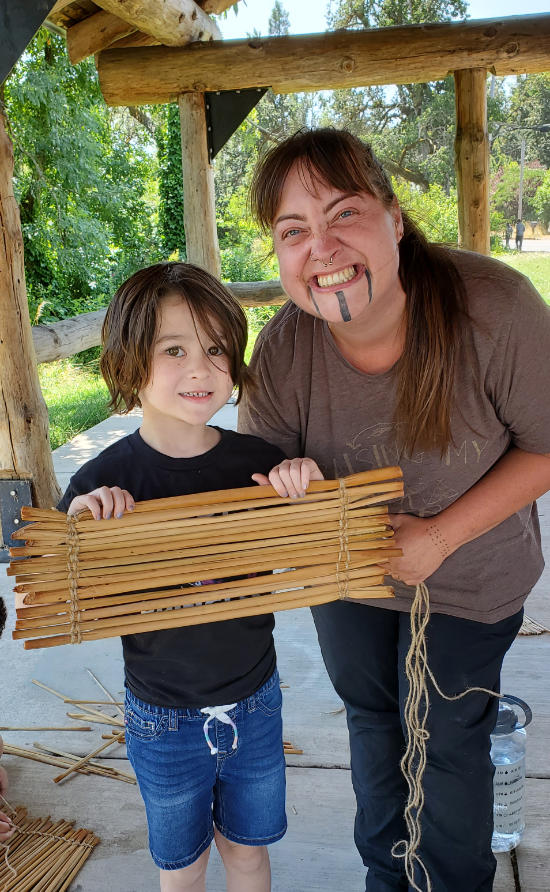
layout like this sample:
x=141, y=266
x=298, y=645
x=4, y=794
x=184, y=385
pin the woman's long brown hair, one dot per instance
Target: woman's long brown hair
x=436, y=298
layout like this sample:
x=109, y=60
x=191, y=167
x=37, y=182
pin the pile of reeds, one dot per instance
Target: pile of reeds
x=42, y=855
x=200, y=558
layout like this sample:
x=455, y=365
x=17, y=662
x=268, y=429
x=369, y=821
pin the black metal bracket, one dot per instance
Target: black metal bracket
x=13, y=495
x=19, y=22
x=225, y=111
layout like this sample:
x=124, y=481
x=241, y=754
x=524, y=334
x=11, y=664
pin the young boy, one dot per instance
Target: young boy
x=203, y=703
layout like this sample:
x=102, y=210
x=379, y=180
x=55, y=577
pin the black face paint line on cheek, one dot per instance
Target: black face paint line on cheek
x=369, y=283
x=344, y=311
x=314, y=302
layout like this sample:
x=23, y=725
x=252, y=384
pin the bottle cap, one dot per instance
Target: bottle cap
x=507, y=719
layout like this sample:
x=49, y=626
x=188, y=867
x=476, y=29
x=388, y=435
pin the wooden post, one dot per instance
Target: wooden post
x=199, y=206
x=472, y=159
x=24, y=445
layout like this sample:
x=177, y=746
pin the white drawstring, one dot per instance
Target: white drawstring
x=219, y=712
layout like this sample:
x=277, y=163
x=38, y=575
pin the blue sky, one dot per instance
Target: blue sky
x=307, y=17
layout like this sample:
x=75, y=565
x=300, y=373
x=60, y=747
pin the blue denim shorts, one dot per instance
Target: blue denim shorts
x=187, y=789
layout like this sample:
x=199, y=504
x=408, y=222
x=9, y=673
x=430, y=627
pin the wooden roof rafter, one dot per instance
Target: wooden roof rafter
x=92, y=27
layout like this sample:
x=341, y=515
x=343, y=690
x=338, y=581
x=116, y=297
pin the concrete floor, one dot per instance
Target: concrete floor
x=317, y=854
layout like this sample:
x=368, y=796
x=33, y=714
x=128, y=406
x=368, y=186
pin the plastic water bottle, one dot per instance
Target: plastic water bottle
x=508, y=755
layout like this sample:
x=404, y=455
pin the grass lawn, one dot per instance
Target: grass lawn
x=535, y=266
x=77, y=397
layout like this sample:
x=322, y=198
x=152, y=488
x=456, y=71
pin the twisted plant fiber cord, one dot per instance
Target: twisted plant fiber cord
x=47, y=836
x=416, y=711
x=72, y=572
x=342, y=562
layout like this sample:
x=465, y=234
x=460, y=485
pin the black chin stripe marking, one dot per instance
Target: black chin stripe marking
x=369, y=283
x=344, y=312
x=314, y=301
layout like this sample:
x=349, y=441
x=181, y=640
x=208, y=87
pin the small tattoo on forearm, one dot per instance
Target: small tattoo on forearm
x=438, y=540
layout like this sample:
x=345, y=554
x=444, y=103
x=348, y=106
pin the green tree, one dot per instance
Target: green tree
x=244, y=252
x=529, y=106
x=433, y=210
x=541, y=200
x=168, y=137
x=279, y=115
x=505, y=190
x=82, y=181
x=412, y=125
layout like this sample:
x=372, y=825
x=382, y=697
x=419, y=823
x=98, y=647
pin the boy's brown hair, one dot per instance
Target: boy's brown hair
x=132, y=321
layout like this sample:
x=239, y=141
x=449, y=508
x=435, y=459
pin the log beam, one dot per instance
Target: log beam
x=137, y=38
x=472, y=160
x=67, y=337
x=408, y=54
x=94, y=34
x=103, y=29
x=199, y=203
x=173, y=22
x=63, y=339
x=24, y=445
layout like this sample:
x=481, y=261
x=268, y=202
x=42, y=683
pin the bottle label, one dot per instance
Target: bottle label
x=509, y=784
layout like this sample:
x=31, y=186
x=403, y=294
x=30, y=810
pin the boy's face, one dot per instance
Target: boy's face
x=190, y=377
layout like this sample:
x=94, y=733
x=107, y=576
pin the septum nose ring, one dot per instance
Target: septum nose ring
x=330, y=261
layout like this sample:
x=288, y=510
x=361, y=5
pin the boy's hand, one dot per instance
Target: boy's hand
x=3, y=781
x=291, y=477
x=6, y=825
x=105, y=501
x=7, y=828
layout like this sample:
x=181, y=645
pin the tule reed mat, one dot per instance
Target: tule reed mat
x=200, y=558
x=42, y=855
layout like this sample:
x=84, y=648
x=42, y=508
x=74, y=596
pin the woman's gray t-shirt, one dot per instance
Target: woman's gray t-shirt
x=310, y=401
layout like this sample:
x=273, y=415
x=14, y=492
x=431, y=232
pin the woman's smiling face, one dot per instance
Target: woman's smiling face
x=338, y=252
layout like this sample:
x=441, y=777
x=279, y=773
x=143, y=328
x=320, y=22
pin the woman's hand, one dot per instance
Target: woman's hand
x=103, y=502
x=423, y=549
x=291, y=477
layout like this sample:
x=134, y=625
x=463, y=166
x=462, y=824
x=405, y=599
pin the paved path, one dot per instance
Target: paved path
x=533, y=245
x=317, y=854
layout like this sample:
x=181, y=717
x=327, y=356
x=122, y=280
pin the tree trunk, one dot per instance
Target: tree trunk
x=199, y=205
x=24, y=445
x=472, y=159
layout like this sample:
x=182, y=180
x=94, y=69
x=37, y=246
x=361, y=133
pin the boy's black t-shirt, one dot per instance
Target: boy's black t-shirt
x=205, y=665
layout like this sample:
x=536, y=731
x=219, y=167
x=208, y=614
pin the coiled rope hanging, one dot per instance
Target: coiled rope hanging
x=413, y=763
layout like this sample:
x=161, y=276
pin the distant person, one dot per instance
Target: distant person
x=520, y=231
x=508, y=234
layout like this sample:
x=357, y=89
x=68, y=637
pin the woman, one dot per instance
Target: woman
x=397, y=351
